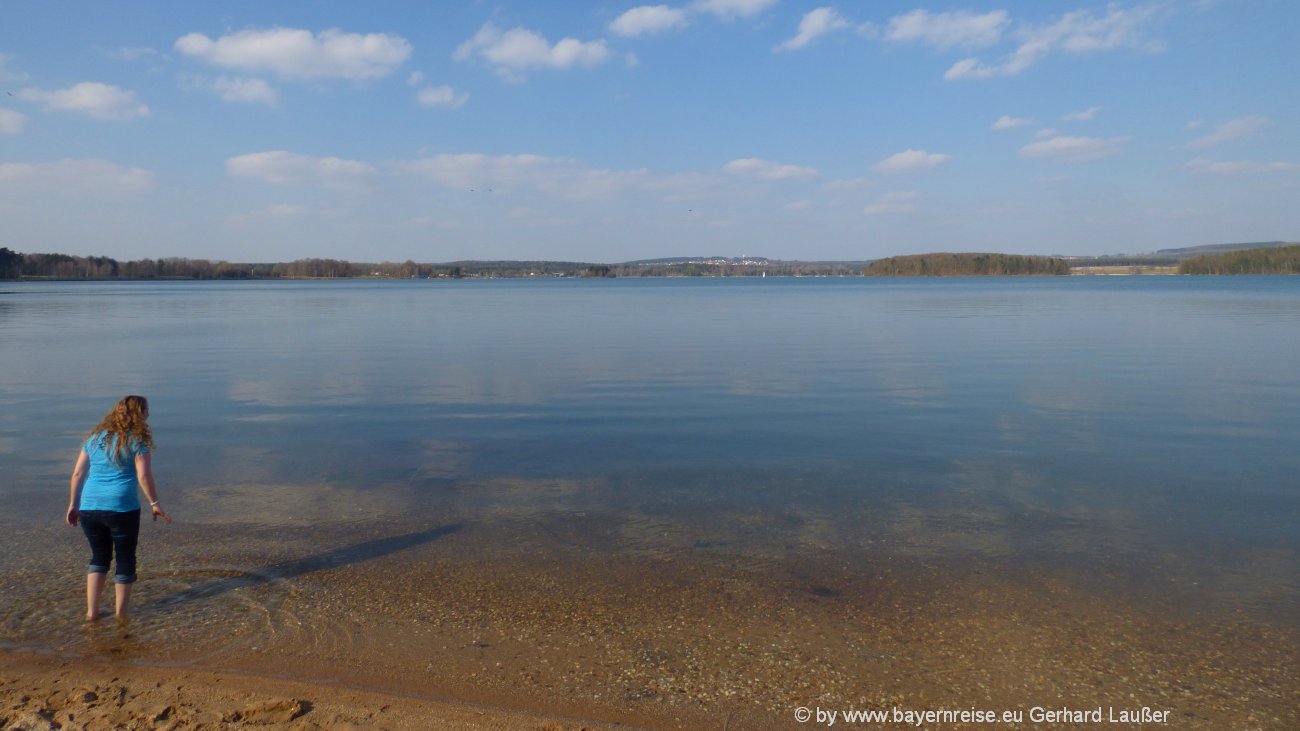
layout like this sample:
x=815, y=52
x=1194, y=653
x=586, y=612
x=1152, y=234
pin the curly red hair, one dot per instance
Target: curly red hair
x=126, y=424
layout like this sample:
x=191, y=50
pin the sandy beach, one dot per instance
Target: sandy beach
x=560, y=628
x=38, y=693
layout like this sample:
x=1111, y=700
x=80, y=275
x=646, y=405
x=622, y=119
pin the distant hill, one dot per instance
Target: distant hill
x=1188, y=252
x=1265, y=260
x=948, y=264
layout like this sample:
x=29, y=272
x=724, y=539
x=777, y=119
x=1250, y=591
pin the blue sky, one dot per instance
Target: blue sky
x=611, y=131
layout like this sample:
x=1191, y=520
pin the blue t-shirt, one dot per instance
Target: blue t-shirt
x=111, y=485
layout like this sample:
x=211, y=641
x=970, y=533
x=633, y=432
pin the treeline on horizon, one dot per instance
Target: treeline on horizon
x=65, y=266
x=953, y=265
x=1277, y=260
x=14, y=265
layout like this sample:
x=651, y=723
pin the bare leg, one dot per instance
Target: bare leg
x=94, y=587
x=123, y=594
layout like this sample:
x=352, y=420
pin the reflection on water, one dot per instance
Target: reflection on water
x=1121, y=428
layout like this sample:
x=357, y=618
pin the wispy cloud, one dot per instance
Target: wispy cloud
x=1074, y=149
x=279, y=167
x=1228, y=131
x=1078, y=32
x=897, y=202
x=245, y=91
x=848, y=185
x=814, y=25
x=11, y=122
x=514, y=51
x=275, y=211
x=91, y=98
x=648, y=19
x=957, y=29
x=535, y=172
x=563, y=178
x=909, y=161
x=299, y=54
x=1202, y=166
x=1082, y=116
x=1005, y=122
x=441, y=96
x=72, y=176
x=731, y=9
x=765, y=170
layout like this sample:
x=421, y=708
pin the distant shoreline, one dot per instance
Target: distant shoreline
x=1270, y=258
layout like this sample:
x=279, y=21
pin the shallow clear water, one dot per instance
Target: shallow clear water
x=1118, y=430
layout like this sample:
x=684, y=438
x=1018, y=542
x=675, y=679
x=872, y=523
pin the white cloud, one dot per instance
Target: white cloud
x=1083, y=116
x=518, y=49
x=1074, y=149
x=415, y=78
x=1045, y=133
x=298, y=54
x=441, y=96
x=1078, y=32
x=731, y=9
x=958, y=29
x=1196, y=124
x=815, y=24
x=799, y=205
x=754, y=167
x=909, y=161
x=648, y=19
x=898, y=202
x=77, y=175
x=245, y=91
x=849, y=185
x=287, y=168
x=1005, y=122
x=561, y=177
x=278, y=211
x=1232, y=130
x=1202, y=166
x=536, y=172
x=11, y=122
x=91, y=98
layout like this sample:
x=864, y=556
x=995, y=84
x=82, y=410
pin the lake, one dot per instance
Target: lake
x=488, y=458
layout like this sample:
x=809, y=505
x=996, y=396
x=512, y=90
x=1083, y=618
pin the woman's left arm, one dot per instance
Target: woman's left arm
x=144, y=473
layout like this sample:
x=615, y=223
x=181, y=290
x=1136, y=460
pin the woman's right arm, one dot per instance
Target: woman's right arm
x=78, y=481
x=144, y=474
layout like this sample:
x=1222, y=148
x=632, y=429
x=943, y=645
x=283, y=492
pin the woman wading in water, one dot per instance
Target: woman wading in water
x=114, y=459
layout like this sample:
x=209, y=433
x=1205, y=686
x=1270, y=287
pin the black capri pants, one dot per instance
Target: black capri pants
x=109, y=533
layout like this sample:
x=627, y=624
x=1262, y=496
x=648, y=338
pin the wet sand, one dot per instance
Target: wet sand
x=578, y=616
x=38, y=693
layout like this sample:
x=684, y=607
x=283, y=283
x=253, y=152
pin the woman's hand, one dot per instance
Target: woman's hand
x=158, y=513
x=74, y=515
